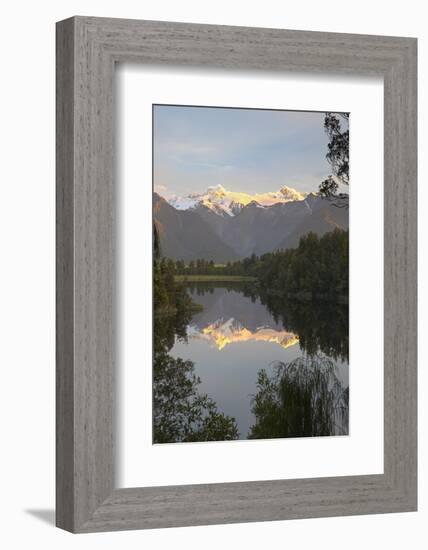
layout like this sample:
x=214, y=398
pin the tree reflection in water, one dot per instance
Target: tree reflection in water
x=321, y=326
x=180, y=412
x=303, y=398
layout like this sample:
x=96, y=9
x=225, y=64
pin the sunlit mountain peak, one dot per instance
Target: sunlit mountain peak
x=217, y=190
x=229, y=203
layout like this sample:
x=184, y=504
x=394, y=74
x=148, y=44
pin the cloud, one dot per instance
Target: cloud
x=192, y=149
x=255, y=150
x=161, y=189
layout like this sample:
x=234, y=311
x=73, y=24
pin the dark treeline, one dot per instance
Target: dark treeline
x=316, y=269
x=199, y=267
x=168, y=296
x=302, y=398
x=322, y=326
x=180, y=411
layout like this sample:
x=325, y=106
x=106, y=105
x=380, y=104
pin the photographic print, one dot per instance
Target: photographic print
x=250, y=273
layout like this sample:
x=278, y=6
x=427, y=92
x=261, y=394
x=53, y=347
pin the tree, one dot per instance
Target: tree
x=338, y=158
x=156, y=243
x=160, y=295
x=302, y=398
x=180, y=412
x=168, y=296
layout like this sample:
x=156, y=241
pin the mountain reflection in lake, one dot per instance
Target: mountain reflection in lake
x=280, y=369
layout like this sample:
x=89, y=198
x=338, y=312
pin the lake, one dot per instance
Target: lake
x=239, y=332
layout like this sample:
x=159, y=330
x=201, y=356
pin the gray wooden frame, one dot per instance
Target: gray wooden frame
x=87, y=50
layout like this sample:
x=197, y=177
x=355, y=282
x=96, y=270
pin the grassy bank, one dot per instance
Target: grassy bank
x=212, y=279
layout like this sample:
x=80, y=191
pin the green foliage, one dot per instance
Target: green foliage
x=303, y=398
x=338, y=146
x=213, y=278
x=180, y=413
x=168, y=297
x=338, y=157
x=322, y=326
x=316, y=269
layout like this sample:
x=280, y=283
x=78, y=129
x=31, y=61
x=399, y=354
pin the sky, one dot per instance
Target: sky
x=245, y=150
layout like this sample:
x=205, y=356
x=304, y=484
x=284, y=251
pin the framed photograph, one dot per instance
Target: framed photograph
x=236, y=274
x=251, y=278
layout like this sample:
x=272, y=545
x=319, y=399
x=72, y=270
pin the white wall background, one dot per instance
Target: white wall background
x=27, y=272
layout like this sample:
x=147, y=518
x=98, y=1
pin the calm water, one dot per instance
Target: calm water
x=239, y=332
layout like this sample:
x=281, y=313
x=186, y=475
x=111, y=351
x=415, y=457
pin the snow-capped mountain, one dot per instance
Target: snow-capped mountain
x=222, y=333
x=227, y=230
x=230, y=203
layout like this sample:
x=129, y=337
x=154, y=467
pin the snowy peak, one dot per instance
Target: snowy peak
x=288, y=193
x=230, y=203
x=223, y=333
x=217, y=191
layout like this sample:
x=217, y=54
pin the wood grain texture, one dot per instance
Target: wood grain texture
x=64, y=276
x=87, y=49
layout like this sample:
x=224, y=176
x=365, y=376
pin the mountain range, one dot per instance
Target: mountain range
x=223, y=225
x=224, y=202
